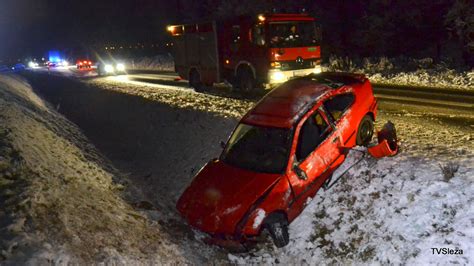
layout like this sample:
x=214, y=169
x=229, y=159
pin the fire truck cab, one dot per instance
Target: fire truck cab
x=248, y=52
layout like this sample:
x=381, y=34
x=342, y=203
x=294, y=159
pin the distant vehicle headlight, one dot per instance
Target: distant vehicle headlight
x=32, y=64
x=109, y=68
x=65, y=63
x=120, y=67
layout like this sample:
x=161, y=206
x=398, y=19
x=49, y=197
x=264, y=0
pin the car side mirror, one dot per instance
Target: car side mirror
x=300, y=172
x=222, y=144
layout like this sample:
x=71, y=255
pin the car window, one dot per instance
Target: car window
x=259, y=149
x=313, y=132
x=337, y=105
x=234, y=46
x=258, y=34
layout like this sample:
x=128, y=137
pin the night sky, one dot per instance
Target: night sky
x=31, y=27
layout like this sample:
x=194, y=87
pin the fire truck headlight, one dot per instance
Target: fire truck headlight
x=278, y=76
x=317, y=70
x=109, y=68
x=120, y=67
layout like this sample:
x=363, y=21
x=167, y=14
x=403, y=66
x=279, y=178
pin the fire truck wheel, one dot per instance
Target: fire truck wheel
x=246, y=82
x=365, y=131
x=195, y=80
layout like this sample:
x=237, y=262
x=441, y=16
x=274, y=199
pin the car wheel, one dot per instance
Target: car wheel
x=195, y=81
x=365, y=131
x=278, y=230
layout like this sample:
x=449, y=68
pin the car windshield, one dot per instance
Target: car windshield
x=259, y=149
x=293, y=34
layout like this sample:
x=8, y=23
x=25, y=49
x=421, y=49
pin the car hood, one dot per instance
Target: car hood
x=220, y=195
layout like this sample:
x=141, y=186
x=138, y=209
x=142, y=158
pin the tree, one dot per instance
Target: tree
x=460, y=22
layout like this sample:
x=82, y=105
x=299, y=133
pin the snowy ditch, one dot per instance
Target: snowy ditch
x=389, y=211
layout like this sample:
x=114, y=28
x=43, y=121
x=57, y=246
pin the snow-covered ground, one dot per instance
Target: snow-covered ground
x=162, y=62
x=60, y=199
x=389, y=211
x=406, y=71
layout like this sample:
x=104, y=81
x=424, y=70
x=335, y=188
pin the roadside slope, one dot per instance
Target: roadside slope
x=58, y=199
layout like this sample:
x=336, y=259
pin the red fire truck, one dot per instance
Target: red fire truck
x=248, y=52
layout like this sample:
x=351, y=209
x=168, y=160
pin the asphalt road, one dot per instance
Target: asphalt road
x=446, y=103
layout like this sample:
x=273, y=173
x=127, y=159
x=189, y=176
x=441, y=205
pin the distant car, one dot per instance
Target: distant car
x=110, y=68
x=279, y=155
x=83, y=64
x=18, y=67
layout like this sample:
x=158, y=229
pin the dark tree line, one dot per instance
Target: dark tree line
x=440, y=29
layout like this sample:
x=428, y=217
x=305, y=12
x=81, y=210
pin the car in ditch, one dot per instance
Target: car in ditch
x=279, y=155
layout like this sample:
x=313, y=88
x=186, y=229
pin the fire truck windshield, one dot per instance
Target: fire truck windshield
x=293, y=34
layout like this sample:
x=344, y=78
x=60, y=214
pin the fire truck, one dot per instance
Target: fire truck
x=248, y=52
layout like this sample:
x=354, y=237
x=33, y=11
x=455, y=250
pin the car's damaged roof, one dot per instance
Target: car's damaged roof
x=285, y=104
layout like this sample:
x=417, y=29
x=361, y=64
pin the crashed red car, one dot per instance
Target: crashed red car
x=279, y=155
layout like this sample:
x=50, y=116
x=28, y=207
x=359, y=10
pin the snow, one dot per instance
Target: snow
x=62, y=202
x=163, y=62
x=406, y=71
x=258, y=218
x=380, y=212
x=388, y=211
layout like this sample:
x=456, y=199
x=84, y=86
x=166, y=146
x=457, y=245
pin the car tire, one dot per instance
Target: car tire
x=195, y=81
x=278, y=230
x=365, y=131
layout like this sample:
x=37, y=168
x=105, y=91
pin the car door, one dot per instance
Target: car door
x=314, y=152
x=339, y=112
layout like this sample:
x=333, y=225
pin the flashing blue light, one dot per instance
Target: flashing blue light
x=54, y=56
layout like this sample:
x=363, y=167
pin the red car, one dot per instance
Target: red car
x=279, y=155
x=80, y=64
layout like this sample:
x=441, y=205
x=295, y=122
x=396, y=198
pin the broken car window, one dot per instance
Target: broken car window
x=260, y=149
x=337, y=105
x=314, y=131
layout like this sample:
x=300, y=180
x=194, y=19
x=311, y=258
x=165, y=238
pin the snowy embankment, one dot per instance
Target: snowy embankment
x=163, y=62
x=406, y=71
x=59, y=198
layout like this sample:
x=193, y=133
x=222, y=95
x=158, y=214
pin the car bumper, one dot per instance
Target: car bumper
x=277, y=76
